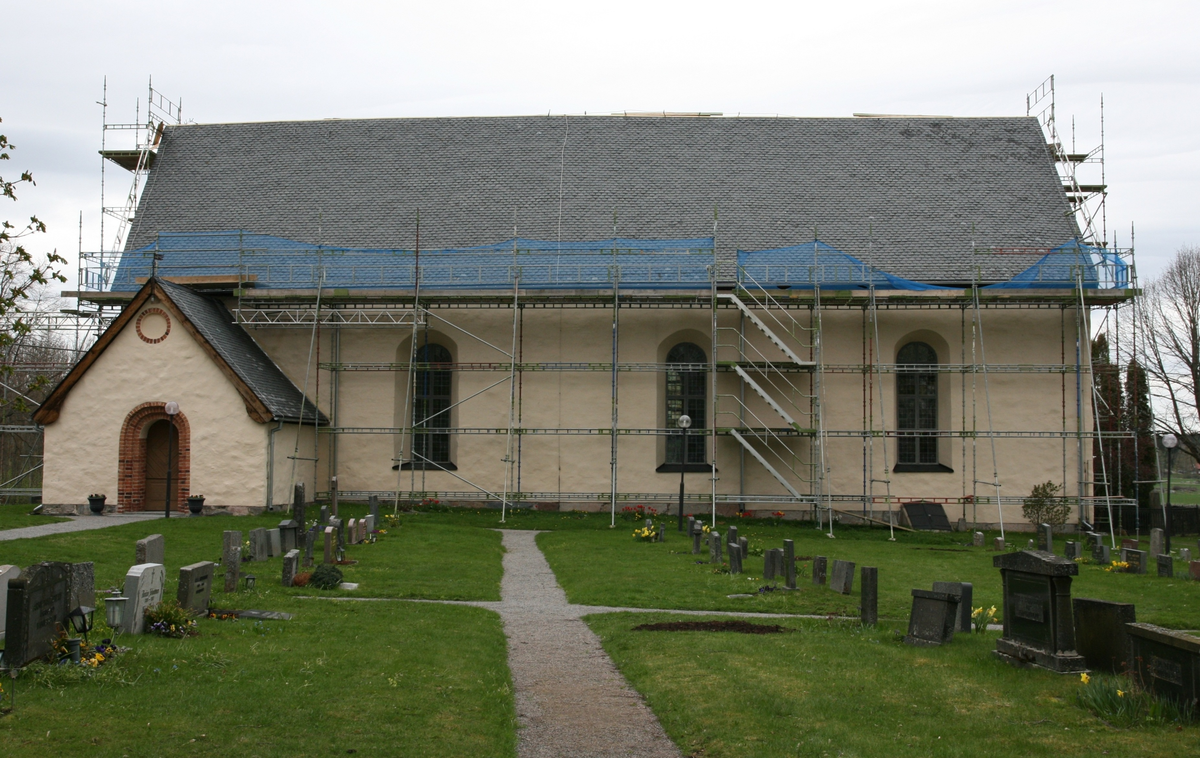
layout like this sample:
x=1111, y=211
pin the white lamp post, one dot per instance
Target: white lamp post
x=684, y=422
x=1169, y=441
x=172, y=410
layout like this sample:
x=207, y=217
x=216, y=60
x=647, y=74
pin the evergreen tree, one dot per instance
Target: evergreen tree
x=1110, y=409
x=1141, y=465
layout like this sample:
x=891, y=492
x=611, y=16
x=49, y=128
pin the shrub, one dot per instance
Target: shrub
x=1044, y=506
x=326, y=577
x=169, y=619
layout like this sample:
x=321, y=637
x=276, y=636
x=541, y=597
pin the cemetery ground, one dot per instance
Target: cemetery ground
x=399, y=678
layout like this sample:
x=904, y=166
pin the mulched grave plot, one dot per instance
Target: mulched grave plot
x=743, y=627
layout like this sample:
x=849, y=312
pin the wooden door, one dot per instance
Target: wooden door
x=156, y=465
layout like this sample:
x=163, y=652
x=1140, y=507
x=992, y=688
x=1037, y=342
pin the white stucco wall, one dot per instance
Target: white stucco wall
x=228, y=448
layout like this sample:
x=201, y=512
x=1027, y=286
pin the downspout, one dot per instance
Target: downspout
x=271, y=465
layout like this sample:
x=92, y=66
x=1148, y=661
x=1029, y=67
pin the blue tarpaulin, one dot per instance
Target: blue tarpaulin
x=815, y=263
x=1069, y=265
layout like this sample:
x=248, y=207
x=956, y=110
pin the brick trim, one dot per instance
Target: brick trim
x=131, y=461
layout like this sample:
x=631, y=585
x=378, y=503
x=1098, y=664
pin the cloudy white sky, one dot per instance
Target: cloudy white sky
x=256, y=61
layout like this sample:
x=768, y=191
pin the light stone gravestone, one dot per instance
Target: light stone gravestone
x=36, y=606
x=369, y=525
x=714, y=547
x=144, y=588
x=231, y=558
x=842, y=577
x=274, y=543
x=691, y=525
x=81, y=578
x=933, y=618
x=744, y=542
x=1102, y=554
x=1100, y=633
x=966, y=595
x=310, y=539
x=1031, y=545
x=1157, y=540
x=290, y=564
x=150, y=549
x=329, y=532
x=818, y=576
x=258, y=544
x=287, y=535
x=1185, y=555
x=1045, y=538
x=789, y=564
x=998, y=544
x=870, y=595
x=353, y=529
x=977, y=539
x=8, y=572
x=195, y=586
x=1038, y=628
x=735, y=558
x=1166, y=566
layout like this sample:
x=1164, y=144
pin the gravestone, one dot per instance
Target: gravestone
x=933, y=618
x=977, y=539
x=966, y=595
x=288, y=535
x=819, y=570
x=231, y=559
x=373, y=508
x=1138, y=560
x=1157, y=539
x=339, y=527
x=1166, y=566
x=150, y=549
x=697, y=535
x=733, y=535
x=714, y=547
x=1093, y=539
x=310, y=539
x=369, y=525
x=333, y=497
x=789, y=564
x=195, y=586
x=290, y=564
x=744, y=542
x=1045, y=538
x=926, y=517
x=998, y=545
x=81, y=592
x=768, y=566
x=329, y=531
x=37, y=604
x=258, y=544
x=1031, y=546
x=662, y=535
x=324, y=519
x=274, y=543
x=7, y=573
x=691, y=525
x=1073, y=550
x=1194, y=569
x=1038, y=628
x=1185, y=555
x=1129, y=545
x=298, y=504
x=735, y=558
x=1102, y=554
x=144, y=588
x=869, y=589
x=1100, y=633
x=1167, y=662
x=353, y=529
x=841, y=579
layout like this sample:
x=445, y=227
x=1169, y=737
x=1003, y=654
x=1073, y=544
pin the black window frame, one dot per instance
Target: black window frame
x=686, y=392
x=917, y=400
x=432, y=396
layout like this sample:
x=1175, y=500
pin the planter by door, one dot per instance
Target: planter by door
x=196, y=504
x=96, y=503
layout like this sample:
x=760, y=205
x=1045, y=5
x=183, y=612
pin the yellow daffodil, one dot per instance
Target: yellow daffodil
x=1120, y=693
x=1084, y=678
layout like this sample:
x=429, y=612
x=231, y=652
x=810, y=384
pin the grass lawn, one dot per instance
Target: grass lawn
x=836, y=689
x=16, y=516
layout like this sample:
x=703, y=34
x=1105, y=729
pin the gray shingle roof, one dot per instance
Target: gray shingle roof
x=907, y=194
x=242, y=353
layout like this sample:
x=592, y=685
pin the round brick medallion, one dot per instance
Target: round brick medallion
x=153, y=325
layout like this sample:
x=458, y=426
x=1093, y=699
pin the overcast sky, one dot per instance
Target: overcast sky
x=259, y=61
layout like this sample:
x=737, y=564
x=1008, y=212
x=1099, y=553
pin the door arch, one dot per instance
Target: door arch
x=140, y=433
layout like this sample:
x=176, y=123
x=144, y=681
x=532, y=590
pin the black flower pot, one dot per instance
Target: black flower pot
x=196, y=504
x=96, y=503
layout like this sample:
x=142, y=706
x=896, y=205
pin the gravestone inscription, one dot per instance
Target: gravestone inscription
x=1100, y=633
x=1129, y=544
x=150, y=549
x=1038, y=628
x=195, y=586
x=842, y=577
x=1073, y=550
x=1101, y=554
x=37, y=604
x=1138, y=560
x=144, y=588
x=998, y=545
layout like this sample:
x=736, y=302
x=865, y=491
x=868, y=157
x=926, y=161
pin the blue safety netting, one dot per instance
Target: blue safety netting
x=815, y=263
x=278, y=263
x=1072, y=264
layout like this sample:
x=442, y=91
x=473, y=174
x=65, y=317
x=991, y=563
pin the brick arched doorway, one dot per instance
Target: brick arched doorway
x=131, y=464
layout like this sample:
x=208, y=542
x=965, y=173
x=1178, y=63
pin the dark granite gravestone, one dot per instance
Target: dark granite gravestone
x=310, y=540
x=298, y=504
x=714, y=547
x=789, y=564
x=735, y=558
x=150, y=549
x=144, y=588
x=841, y=579
x=1073, y=550
x=291, y=561
x=1167, y=662
x=1100, y=633
x=37, y=604
x=1045, y=538
x=732, y=535
x=82, y=590
x=926, y=517
x=869, y=589
x=1102, y=554
x=258, y=544
x=1129, y=545
x=1166, y=566
x=1038, y=629
x=373, y=508
x=966, y=594
x=745, y=543
x=7, y=574
x=231, y=559
x=1157, y=541
x=934, y=615
x=819, y=570
x=1138, y=560
x=324, y=518
x=195, y=586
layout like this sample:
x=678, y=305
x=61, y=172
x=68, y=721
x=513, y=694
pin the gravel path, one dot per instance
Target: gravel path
x=571, y=700
x=76, y=524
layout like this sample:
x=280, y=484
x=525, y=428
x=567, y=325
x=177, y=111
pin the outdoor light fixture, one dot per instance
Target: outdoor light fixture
x=114, y=611
x=684, y=422
x=82, y=620
x=249, y=581
x=1169, y=441
x=172, y=410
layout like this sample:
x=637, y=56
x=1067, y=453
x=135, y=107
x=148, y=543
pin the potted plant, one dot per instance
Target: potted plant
x=196, y=504
x=96, y=503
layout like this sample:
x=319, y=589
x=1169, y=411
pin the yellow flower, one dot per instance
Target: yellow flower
x=1084, y=678
x=1120, y=693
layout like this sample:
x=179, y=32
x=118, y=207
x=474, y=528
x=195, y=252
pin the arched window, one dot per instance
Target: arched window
x=431, y=407
x=917, y=404
x=686, y=393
